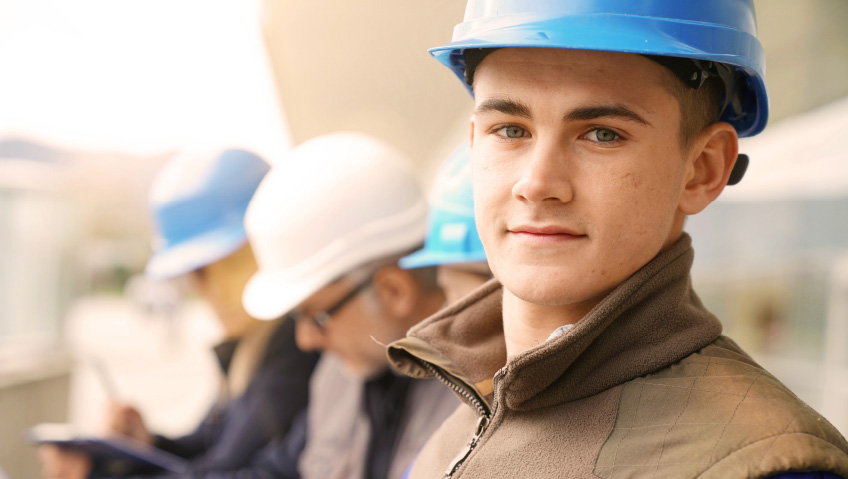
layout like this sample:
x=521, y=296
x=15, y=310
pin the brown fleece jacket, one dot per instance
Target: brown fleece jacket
x=643, y=386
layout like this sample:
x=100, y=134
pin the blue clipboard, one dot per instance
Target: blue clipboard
x=122, y=450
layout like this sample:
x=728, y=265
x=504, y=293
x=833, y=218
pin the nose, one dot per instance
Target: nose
x=546, y=174
x=308, y=337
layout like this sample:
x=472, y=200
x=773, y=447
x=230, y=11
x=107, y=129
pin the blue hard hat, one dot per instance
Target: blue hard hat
x=451, y=231
x=198, y=203
x=721, y=31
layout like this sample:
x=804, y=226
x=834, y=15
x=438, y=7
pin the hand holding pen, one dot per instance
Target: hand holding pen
x=122, y=418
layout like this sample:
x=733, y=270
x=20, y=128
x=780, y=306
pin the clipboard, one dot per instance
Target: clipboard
x=118, y=455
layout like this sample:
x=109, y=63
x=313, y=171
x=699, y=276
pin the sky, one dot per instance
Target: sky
x=140, y=76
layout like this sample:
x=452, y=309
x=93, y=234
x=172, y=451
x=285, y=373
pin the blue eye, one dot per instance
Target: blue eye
x=513, y=131
x=605, y=136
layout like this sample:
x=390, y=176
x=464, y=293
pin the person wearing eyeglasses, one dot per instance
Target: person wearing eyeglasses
x=328, y=226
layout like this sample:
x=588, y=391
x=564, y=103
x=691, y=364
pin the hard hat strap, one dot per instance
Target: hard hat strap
x=694, y=73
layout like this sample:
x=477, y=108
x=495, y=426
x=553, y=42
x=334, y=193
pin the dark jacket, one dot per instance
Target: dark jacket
x=643, y=386
x=342, y=439
x=236, y=432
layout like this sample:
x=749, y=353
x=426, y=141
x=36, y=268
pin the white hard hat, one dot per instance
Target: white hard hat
x=336, y=202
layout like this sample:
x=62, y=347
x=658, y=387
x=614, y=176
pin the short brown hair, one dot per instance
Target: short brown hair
x=698, y=108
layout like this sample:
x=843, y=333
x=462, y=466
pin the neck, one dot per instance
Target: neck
x=527, y=325
x=237, y=325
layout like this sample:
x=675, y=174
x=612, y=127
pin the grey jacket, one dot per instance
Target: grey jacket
x=338, y=428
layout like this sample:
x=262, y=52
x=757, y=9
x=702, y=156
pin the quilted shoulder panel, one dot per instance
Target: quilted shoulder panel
x=716, y=414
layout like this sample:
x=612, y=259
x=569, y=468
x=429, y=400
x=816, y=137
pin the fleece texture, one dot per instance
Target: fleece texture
x=643, y=386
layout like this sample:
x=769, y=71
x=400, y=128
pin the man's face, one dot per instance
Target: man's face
x=577, y=170
x=348, y=333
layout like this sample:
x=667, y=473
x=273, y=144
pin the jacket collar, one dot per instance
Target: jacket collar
x=651, y=320
x=224, y=352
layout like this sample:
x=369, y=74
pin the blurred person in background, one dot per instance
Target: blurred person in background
x=198, y=204
x=452, y=246
x=328, y=226
x=599, y=126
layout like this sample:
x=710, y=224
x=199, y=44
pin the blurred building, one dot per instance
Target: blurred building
x=772, y=256
x=37, y=232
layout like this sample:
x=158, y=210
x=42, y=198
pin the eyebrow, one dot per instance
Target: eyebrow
x=592, y=112
x=506, y=106
x=605, y=111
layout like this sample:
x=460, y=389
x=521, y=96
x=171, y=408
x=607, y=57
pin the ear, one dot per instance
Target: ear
x=199, y=279
x=396, y=291
x=710, y=161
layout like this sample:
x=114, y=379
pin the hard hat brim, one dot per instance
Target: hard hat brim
x=271, y=294
x=200, y=251
x=424, y=258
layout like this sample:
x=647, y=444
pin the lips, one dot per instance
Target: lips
x=545, y=233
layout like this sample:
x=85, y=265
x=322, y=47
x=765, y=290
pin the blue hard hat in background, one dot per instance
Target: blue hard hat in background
x=722, y=31
x=451, y=231
x=198, y=202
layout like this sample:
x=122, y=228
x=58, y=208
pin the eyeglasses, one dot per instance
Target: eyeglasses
x=321, y=318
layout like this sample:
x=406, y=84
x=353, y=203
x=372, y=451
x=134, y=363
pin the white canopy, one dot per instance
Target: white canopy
x=803, y=157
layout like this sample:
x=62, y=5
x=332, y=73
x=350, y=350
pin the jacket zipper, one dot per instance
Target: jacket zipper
x=482, y=422
x=473, y=400
x=463, y=455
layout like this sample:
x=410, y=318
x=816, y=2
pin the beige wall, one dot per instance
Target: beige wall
x=806, y=45
x=23, y=405
x=362, y=66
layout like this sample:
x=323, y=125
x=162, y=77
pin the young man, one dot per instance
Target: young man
x=599, y=126
x=328, y=226
x=452, y=246
x=198, y=203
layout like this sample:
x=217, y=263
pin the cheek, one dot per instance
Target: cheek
x=488, y=216
x=361, y=323
x=642, y=202
x=492, y=185
x=632, y=201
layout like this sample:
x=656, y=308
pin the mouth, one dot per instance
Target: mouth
x=545, y=234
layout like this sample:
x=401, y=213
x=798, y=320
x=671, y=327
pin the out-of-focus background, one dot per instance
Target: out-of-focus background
x=96, y=94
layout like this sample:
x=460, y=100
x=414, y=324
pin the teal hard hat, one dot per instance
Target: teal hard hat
x=719, y=36
x=451, y=231
x=198, y=202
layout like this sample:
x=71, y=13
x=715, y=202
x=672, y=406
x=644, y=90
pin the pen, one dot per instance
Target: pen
x=105, y=378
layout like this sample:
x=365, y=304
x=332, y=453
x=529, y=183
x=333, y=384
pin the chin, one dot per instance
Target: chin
x=542, y=297
x=558, y=289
